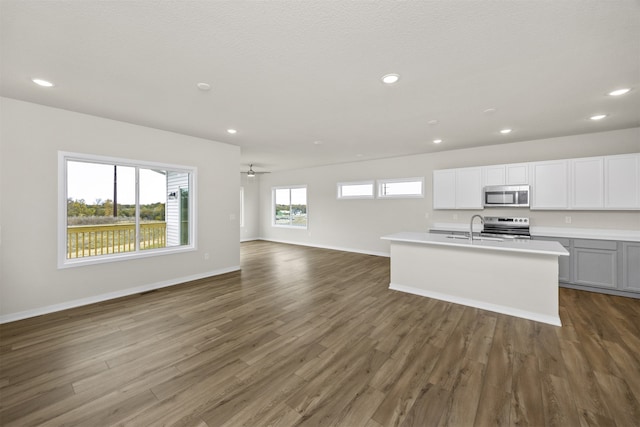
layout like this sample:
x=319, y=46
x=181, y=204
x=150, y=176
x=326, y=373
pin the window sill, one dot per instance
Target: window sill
x=104, y=259
x=295, y=227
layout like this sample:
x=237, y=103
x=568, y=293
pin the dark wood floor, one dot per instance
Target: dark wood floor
x=306, y=336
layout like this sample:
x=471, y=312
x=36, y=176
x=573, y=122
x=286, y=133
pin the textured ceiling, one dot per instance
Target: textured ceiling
x=288, y=73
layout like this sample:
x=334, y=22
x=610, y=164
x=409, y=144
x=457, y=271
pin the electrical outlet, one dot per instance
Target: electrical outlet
x=455, y=216
x=232, y=217
x=567, y=219
x=426, y=215
x=206, y=255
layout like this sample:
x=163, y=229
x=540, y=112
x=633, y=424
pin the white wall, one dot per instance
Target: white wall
x=251, y=229
x=358, y=224
x=30, y=137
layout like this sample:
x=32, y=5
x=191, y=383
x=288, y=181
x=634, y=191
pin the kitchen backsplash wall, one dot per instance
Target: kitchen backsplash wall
x=566, y=219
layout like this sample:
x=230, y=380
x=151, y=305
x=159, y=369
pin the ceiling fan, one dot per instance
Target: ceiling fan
x=251, y=173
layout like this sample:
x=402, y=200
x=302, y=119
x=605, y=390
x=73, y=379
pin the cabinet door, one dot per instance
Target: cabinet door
x=444, y=189
x=549, y=186
x=494, y=175
x=622, y=181
x=517, y=174
x=469, y=188
x=595, y=263
x=587, y=183
x=631, y=266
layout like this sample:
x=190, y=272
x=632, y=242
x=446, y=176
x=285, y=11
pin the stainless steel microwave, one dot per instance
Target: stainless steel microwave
x=510, y=196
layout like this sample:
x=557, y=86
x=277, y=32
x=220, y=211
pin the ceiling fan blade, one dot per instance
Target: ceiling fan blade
x=251, y=172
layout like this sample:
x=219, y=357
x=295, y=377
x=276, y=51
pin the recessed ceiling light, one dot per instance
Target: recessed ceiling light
x=505, y=131
x=437, y=141
x=317, y=143
x=490, y=111
x=204, y=86
x=432, y=122
x=598, y=117
x=390, y=79
x=43, y=83
x=232, y=131
x=619, y=92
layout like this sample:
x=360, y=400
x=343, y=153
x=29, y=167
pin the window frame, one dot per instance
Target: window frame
x=273, y=206
x=343, y=184
x=381, y=182
x=65, y=156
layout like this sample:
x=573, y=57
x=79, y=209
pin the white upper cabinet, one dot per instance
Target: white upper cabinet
x=513, y=174
x=469, y=188
x=494, y=175
x=622, y=181
x=517, y=174
x=590, y=183
x=444, y=189
x=457, y=188
x=549, y=185
x=587, y=183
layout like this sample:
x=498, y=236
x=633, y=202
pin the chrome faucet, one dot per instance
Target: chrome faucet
x=471, y=225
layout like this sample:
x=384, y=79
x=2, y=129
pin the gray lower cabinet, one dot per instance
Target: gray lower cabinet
x=631, y=266
x=600, y=265
x=595, y=263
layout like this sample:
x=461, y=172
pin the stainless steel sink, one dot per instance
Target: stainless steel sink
x=489, y=239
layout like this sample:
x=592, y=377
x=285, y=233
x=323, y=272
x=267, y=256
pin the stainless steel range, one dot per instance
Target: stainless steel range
x=506, y=228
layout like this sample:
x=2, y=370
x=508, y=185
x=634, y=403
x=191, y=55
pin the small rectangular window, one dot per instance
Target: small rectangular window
x=401, y=188
x=355, y=190
x=290, y=206
x=116, y=208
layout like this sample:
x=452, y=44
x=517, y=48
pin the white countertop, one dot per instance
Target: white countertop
x=587, y=233
x=530, y=246
x=570, y=233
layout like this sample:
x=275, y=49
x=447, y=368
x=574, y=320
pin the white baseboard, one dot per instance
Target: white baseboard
x=12, y=317
x=249, y=239
x=552, y=320
x=333, y=248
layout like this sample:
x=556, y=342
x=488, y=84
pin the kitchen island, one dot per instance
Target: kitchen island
x=514, y=277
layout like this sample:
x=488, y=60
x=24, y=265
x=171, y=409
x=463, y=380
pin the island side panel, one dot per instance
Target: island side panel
x=514, y=283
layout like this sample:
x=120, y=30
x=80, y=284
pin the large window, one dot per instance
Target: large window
x=116, y=208
x=290, y=206
x=401, y=188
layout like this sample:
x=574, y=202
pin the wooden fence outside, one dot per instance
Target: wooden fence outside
x=93, y=240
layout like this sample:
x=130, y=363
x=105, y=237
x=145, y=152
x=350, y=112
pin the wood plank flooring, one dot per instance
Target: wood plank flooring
x=306, y=336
